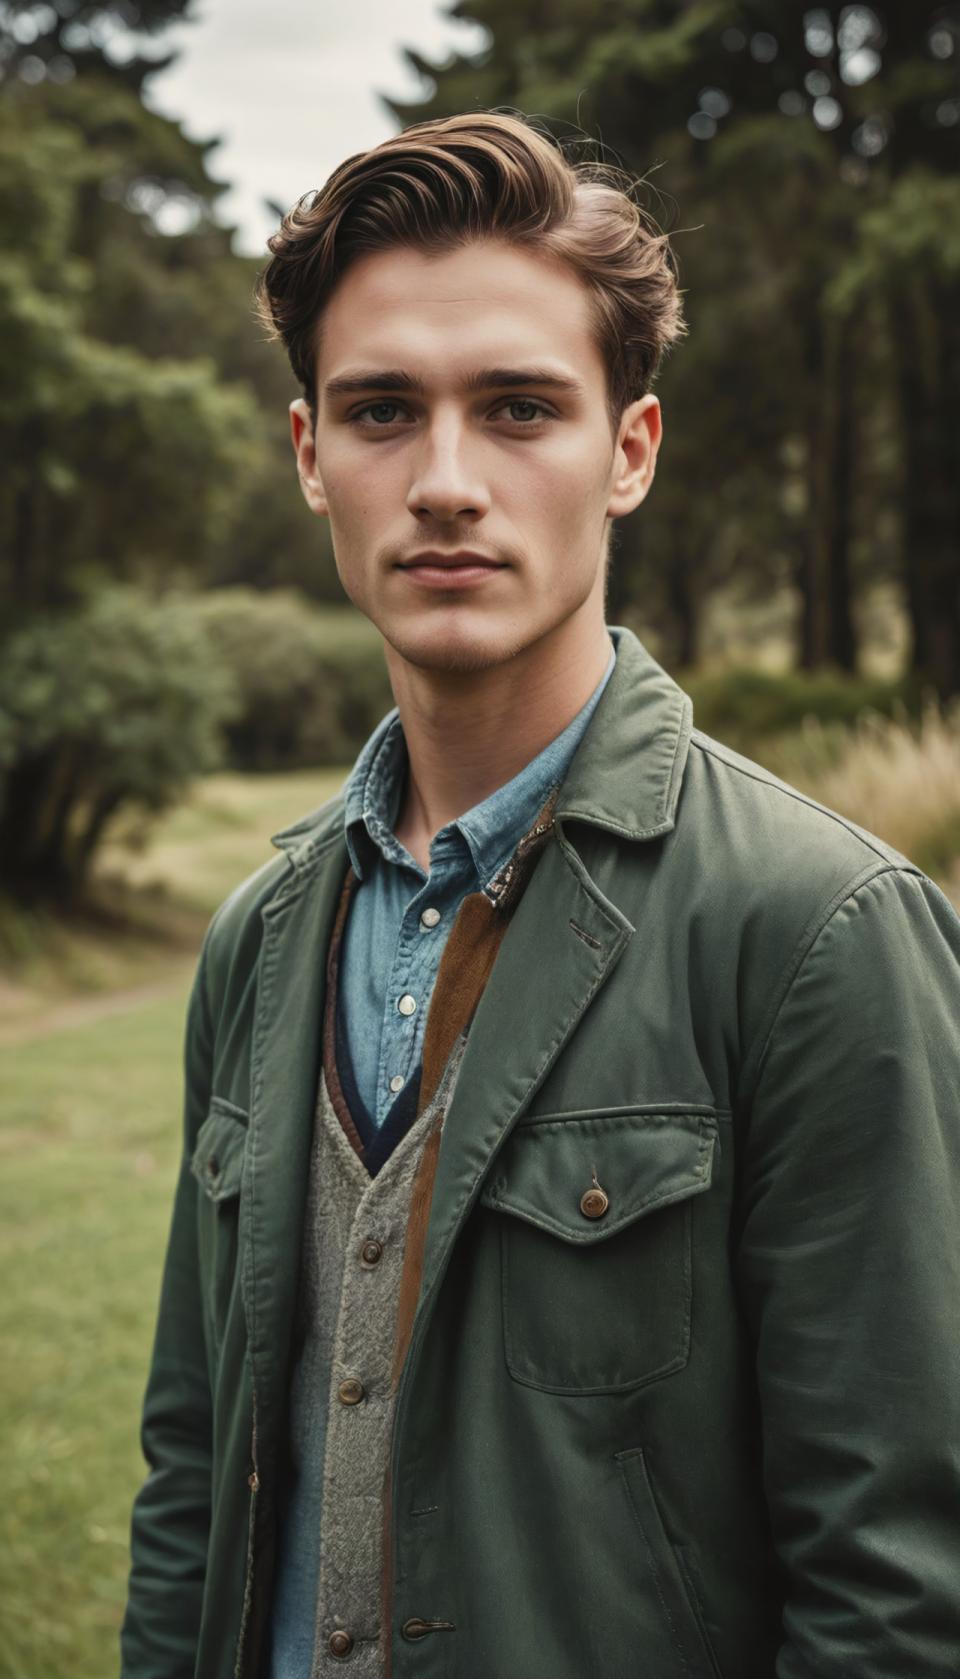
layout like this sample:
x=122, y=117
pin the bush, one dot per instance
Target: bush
x=744, y=706
x=115, y=704
x=311, y=681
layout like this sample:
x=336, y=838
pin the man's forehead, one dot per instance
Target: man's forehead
x=407, y=311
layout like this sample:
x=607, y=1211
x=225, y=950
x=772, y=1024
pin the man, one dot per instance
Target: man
x=565, y=1262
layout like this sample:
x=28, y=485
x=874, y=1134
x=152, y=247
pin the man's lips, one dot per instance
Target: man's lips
x=463, y=569
x=461, y=559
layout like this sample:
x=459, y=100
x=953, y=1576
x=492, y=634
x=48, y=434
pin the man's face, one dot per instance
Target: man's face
x=462, y=406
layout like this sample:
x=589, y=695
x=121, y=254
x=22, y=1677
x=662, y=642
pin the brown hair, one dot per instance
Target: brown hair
x=441, y=184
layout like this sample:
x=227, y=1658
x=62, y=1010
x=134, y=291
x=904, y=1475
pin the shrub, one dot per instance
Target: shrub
x=112, y=705
x=311, y=681
x=743, y=706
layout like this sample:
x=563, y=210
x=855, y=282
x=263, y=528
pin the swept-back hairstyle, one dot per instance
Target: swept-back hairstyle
x=442, y=184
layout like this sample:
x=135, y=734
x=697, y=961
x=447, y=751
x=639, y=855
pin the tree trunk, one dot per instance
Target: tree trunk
x=826, y=632
x=928, y=388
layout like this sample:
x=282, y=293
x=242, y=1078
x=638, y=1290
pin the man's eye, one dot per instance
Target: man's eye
x=540, y=412
x=376, y=409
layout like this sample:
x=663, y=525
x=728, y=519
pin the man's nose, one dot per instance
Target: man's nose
x=446, y=483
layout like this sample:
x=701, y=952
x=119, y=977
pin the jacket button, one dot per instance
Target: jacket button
x=417, y=1627
x=351, y=1391
x=340, y=1644
x=371, y=1252
x=594, y=1203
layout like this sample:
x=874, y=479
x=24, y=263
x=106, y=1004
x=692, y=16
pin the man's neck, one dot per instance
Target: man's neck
x=468, y=733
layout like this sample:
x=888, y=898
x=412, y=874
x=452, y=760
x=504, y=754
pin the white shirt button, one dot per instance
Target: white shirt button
x=396, y=1083
x=429, y=918
x=407, y=1004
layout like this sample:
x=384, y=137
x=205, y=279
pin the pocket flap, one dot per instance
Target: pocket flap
x=217, y=1162
x=640, y=1160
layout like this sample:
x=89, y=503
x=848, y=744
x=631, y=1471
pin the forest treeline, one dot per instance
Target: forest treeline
x=803, y=159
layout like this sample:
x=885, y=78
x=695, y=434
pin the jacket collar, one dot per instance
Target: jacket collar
x=625, y=775
x=627, y=772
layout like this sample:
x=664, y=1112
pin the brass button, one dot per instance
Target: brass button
x=340, y=1644
x=351, y=1391
x=371, y=1252
x=594, y=1203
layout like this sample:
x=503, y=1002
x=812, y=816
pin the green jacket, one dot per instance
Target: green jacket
x=713, y=1431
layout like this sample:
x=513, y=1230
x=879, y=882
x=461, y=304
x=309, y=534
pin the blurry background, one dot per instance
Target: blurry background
x=179, y=675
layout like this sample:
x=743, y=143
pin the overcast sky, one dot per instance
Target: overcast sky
x=291, y=89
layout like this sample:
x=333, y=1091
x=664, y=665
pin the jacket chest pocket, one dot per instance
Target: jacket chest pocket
x=217, y=1165
x=596, y=1246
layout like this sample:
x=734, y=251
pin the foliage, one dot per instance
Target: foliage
x=143, y=418
x=64, y=38
x=312, y=683
x=744, y=706
x=113, y=704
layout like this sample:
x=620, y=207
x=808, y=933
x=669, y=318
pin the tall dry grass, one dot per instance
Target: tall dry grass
x=898, y=777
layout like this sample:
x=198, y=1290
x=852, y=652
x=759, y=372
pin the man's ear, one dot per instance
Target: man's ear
x=304, y=447
x=635, y=457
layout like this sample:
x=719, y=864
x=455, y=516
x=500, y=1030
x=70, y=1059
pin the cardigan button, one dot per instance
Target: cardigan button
x=351, y=1391
x=340, y=1644
x=371, y=1253
x=594, y=1203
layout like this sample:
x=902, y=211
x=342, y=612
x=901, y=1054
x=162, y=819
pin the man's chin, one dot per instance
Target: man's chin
x=458, y=649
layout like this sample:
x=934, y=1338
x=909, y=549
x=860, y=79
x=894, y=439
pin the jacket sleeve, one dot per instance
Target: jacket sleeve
x=171, y=1513
x=849, y=1270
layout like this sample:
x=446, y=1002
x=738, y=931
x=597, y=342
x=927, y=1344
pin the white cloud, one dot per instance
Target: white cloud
x=290, y=92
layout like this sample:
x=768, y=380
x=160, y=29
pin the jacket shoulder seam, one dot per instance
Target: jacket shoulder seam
x=716, y=749
x=804, y=947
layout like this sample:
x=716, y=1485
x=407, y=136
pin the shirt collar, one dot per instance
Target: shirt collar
x=372, y=796
x=625, y=776
x=490, y=830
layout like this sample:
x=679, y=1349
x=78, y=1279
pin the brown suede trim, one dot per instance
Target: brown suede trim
x=465, y=967
x=337, y=1098
x=509, y=886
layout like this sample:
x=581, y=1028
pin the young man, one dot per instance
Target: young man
x=564, y=1277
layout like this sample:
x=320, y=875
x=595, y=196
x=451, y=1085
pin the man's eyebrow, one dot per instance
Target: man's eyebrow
x=487, y=379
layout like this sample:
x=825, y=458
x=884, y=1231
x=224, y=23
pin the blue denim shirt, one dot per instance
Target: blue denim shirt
x=400, y=917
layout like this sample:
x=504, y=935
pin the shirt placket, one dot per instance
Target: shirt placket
x=415, y=965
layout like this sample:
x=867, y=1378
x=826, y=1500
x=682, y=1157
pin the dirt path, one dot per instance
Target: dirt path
x=40, y=1021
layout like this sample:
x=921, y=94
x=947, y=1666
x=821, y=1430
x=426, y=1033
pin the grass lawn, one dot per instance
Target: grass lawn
x=89, y=1140
x=89, y=1143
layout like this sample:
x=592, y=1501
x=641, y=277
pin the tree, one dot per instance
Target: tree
x=60, y=39
x=116, y=704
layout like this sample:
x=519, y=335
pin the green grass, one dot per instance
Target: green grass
x=88, y=1145
x=89, y=1140
x=198, y=852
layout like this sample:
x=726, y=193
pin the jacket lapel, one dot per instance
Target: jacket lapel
x=563, y=942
